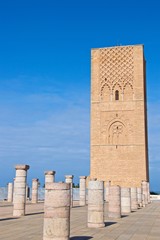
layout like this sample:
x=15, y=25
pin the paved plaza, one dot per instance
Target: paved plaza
x=143, y=224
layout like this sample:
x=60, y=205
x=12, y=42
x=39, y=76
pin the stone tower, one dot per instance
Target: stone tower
x=119, y=150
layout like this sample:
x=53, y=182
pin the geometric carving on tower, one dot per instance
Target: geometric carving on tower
x=116, y=73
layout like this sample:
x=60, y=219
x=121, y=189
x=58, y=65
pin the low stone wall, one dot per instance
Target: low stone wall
x=155, y=197
x=4, y=193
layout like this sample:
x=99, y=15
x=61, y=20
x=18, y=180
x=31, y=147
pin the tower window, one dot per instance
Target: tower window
x=116, y=95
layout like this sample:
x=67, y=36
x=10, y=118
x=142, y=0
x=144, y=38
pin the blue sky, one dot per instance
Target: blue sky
x=45, y=79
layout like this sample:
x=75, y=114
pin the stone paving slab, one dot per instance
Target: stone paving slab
x=143, y=224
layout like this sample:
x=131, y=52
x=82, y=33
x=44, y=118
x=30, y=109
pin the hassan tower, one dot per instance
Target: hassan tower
x=119, y=147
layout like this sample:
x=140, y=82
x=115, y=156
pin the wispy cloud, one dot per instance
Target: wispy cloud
x=47, y=131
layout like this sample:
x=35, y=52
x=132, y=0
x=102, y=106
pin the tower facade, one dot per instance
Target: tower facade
x=119, y=147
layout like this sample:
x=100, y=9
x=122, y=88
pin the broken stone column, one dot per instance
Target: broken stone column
x=35, y=190
x=139, y=196
x=114, y=206
x=69, y=179
x=49, y=176
x=57, y=211
x=27, y=192
x=14, y=179
x=134, y=202
x=10, y=192
x=144, y=186
x=108, y=184
x=143, y=200
x=82, y=191
x=125, y=200
x=20, y=190
x=96, y=204
x=148, y=188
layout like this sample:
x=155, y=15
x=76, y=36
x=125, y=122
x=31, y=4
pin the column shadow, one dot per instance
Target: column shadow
x=28, y=214
x=81, y=238
x=7, y=219
x=123, y=216
x=107, y=224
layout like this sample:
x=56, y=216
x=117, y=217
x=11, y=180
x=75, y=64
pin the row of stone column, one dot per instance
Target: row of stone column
x=59, y=199
x=18, y=196
x=121, y=200
x=50, y=177
x=58, y=202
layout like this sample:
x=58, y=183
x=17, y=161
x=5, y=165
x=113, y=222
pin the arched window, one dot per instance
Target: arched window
x=116, y=95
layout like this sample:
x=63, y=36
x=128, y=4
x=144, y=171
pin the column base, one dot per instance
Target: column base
x=96, y=225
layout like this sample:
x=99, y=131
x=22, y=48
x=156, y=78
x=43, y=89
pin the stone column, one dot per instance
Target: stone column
x=134, y=203
x=49, y=176
x=96, y=204
x=35, y=190
x=57, y=211
x=145, y=191
x=20, y=190
x=14, y=179
x=69, y=179
x=108, y=184
x=10, y=192
x=148, y=188
x=82, y=191
x=125, y=200
x=139, y=196
x=27, y=192
x=114, y=206
x=143, y=200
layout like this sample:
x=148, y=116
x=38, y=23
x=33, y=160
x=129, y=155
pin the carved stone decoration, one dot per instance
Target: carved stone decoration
x=117, y=130
x=117, y=133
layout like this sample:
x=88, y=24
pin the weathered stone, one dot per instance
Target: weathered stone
x=35, y=190
x=139, y=196
x=148, y=188
x=125, y=200
x=20, y=190
x=96, y=204
x=10, y=192
x=57, y=211
x=143, y=200
x=145, y=191
x=114, y=205
x=108, y=184
x=49, y=176
x=27, y=192
x=69, y=179
x=82, y=191
x=134, y=202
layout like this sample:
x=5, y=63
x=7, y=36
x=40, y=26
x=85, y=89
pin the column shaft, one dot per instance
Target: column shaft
x=20, y=190
x=96, y=204
x=125, y=200
x=134, y=203
x=57, y=211
x=139, y=196
x=114, y=206
x=145, y=191
x=82, y=191
x=35, y=190
x=108, y=184
x=10, y=192
x=69, y=179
